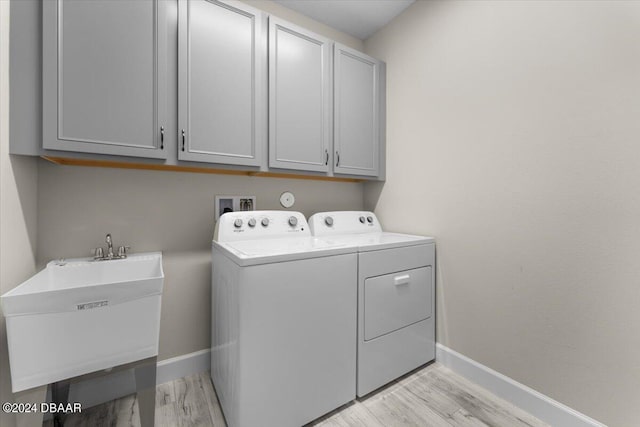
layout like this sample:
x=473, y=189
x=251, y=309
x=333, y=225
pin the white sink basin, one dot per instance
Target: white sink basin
x=81, y=315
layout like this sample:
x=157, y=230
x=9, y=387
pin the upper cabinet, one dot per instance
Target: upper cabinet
x=252, y=90
x=221, y=82
x=104, y=77
x=356, y=126
x=299, y=98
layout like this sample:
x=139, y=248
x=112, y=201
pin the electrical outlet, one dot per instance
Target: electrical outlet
x=224, y=204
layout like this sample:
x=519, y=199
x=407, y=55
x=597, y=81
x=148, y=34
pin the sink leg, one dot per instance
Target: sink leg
x=60, y=395
x=146, y=391
x=35, y=395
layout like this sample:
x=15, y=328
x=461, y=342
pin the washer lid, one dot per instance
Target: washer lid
x=254, y=252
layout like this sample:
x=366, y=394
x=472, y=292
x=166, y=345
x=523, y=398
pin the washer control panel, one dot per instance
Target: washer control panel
x=255, y=225
x=343, y=222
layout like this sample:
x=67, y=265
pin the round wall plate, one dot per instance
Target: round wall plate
x=287, y=199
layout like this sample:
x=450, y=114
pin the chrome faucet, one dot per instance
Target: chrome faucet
x=98, y=253
x=109, y=246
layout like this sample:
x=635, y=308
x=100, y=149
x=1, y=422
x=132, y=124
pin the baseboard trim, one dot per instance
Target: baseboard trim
x=181, y=366
x=537, y=404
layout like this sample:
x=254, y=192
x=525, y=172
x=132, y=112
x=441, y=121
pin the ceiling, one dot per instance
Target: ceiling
x=359, y=18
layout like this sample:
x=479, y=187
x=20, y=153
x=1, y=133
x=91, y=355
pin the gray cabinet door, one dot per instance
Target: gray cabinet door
x=356, y=112
x=299, y=98
x=104, y=76
x=222, y=78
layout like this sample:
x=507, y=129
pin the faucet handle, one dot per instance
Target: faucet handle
x=122, y=251
x=97, y=252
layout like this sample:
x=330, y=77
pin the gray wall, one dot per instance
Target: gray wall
x=168, y=211
x=18, y=212
x=514, y=138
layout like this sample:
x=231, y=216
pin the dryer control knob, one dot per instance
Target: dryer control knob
x=293, y=221
x=370, y=219
x=264, y=222
x=237, y=223
x=252, y=222
x=329, y=221
x=362, y=220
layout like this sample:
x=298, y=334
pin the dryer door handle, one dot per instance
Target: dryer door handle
x=401, y=280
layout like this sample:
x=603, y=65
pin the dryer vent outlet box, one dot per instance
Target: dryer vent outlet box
x=226, y=204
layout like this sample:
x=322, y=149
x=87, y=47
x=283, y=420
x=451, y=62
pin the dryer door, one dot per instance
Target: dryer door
x=396, y=300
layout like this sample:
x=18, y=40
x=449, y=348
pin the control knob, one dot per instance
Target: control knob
x=252, y=222
x=293, y=221
x=370, y=219
x=329, y=221
x=237, y=223
x=264, y=222
x=361, y=219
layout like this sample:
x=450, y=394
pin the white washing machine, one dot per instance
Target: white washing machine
x=283, y=320
x=396, y=295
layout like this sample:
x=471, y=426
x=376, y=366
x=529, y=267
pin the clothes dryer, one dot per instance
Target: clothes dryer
x=396, y=295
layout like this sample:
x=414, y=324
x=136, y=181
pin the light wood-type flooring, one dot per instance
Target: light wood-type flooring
x=432, y=396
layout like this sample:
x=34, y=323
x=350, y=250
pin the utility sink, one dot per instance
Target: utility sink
x=78, y=316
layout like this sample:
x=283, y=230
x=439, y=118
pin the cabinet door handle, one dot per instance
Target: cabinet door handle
x=162, y=137
x=401, y=280
x=183, y=138
x=337, y=159
x=326, y=155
